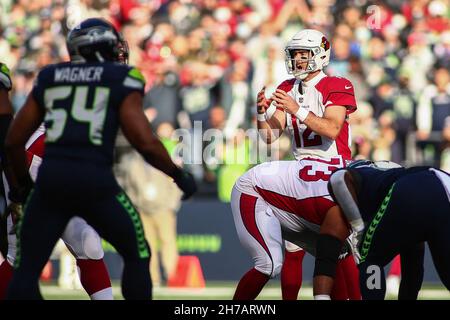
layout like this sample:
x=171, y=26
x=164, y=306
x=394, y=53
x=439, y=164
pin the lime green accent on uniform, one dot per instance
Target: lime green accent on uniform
x=19, y=231
x=136, y=74
x=134, y=215
x=373, y=225
x=4, y=69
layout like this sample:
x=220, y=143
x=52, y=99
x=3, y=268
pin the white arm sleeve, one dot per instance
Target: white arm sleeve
x=345, y=200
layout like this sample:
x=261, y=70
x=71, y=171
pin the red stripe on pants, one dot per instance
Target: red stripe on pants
x=247, y=206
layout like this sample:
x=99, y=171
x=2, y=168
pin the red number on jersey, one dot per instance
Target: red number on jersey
x=308, y=174
x=316, y=140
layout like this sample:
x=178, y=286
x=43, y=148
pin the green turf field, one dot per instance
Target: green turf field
x=218, y=291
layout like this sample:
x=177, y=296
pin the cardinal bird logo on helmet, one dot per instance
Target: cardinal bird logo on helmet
x=325, y=44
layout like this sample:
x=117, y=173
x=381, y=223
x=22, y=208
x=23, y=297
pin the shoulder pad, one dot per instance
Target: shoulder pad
x=134, y=79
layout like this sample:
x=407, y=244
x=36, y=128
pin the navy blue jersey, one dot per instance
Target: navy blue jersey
x=81, y=103
x=372, y=186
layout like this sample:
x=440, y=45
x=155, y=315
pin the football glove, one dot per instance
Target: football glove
x=185, y=181
x=354, y=240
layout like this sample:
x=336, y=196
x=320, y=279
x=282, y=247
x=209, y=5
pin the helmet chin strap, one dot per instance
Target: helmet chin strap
x=301, y=76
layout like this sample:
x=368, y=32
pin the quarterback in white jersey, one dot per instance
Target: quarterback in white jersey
x=314, y=108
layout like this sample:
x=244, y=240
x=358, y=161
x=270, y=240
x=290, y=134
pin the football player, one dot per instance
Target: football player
x=399, y=209
x=83, y=103
x=314, y=108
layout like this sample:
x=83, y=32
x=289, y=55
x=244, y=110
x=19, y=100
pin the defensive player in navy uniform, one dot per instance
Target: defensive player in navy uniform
x=395, y=211
x=84, y=102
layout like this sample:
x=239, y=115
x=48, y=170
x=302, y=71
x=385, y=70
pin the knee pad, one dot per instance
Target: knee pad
x=82, y=240
x=277, y=266
x=91, y=244
x=269, y=267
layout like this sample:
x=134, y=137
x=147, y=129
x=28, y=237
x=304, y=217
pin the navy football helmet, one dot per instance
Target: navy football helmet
x=381, y=164
x=96, y=39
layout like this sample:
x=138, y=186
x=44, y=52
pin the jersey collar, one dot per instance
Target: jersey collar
x=314, y=81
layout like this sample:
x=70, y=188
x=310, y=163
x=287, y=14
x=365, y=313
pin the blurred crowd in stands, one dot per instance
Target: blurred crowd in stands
x=205, y=60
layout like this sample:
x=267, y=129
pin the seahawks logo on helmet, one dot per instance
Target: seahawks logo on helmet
x=96, y=39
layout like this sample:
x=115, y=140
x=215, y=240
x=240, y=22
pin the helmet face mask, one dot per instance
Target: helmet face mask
x=319, y=50
x=294, y=65
x=96, y=40
x=124, y=52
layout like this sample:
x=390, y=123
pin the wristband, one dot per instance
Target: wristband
x=301, y=114
x=261, y=117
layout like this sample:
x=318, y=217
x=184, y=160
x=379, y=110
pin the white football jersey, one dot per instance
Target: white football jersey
x=297, y=187
x=315, y=95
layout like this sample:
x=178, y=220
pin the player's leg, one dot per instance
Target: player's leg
x=412, y=271
x=259, y=232
x=41, y=226
x=440, y=241
x=3, y=237
x=339, y=291
x=291, y=272
x=386, y=235
x=86, y=246
x=372, y=280
x=441, y=258
x=6, y=273
x=393, y=277
x=118, y=222
x=6, y=267
x=351, y=274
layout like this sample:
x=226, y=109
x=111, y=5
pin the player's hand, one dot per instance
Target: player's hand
x=285, y=101
x=262, y=103
x=185, y=181
x=19, y=194
x=355, y=240
x=15, y=209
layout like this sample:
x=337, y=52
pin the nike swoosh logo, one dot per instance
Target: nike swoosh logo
x=327, y=103
x=348, y=87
